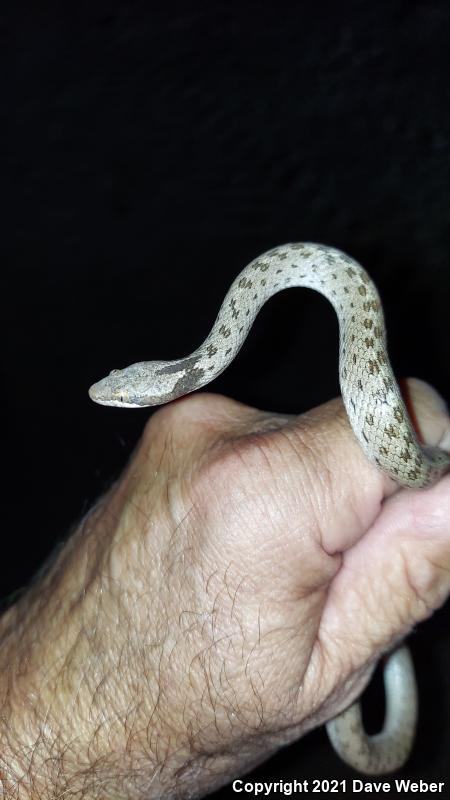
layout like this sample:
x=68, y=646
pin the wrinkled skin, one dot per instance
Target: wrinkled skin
x=233, y=590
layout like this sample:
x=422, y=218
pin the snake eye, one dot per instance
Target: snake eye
x=115, y=371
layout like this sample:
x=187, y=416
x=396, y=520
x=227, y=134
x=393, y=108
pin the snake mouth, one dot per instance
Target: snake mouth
x=103, y=395
x=113, y=402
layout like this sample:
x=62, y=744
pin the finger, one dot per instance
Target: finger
x=346, y=488
x=399, y=572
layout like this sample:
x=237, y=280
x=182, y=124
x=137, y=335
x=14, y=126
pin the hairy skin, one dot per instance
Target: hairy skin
x=232, y=591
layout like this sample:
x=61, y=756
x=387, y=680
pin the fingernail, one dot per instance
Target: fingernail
x=444, y=443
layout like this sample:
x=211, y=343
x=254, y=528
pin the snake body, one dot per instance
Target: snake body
x=375, y=409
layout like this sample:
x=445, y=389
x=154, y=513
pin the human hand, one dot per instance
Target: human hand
x=232, y=591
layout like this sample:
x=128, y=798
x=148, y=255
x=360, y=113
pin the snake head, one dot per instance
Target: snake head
x=141, y=384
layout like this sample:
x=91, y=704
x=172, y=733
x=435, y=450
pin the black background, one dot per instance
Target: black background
x=149, y=152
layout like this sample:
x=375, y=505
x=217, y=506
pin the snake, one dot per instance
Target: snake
x=376, y=411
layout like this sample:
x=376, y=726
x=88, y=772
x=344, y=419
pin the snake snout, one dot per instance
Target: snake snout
x=106, y=394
